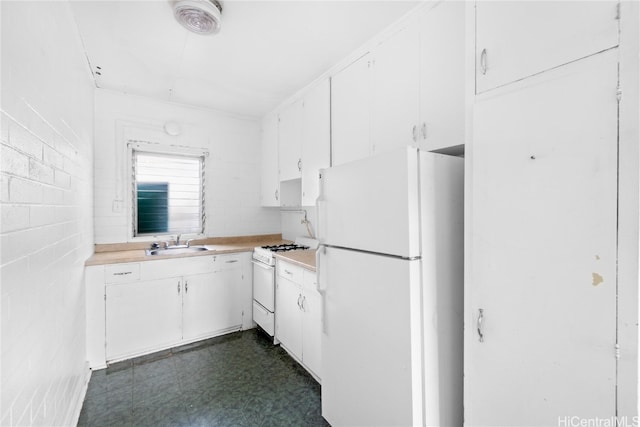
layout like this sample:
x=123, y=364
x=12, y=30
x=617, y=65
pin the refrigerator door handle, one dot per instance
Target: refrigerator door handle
x=320, y=289
x=321, y=249
x=320, y=209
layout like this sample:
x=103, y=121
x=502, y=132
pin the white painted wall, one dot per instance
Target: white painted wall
x=232, y=169
x=292, y=225
x=46, y=232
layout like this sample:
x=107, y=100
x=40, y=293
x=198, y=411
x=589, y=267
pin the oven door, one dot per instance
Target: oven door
x=263, y=284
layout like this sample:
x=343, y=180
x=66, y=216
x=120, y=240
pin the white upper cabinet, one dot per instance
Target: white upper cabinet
x=442, y=76
x=518, y=39
x=316, y=139
x=303, y=140
x=395, y=91
x=270, y=178
x=351, y=112
x=409, y=90
x=290, y=139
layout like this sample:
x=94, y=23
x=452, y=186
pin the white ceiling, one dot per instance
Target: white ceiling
x=265, y=51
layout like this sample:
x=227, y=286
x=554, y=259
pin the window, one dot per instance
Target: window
x=168, y=193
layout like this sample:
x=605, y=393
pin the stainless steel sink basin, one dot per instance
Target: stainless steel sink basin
x=176, y=251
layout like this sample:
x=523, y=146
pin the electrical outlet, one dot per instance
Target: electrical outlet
x=117, y=206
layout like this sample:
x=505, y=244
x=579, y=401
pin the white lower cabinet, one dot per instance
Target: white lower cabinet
x=142, y=316
x=211, y=302
x=311, y=322
x=138, y=308
x=298, y=326
x=289, y=315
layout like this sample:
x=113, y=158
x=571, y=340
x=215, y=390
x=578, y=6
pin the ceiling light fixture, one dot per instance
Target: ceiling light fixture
x=198, y=16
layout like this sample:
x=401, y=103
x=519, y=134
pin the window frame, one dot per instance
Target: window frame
x=152, y=148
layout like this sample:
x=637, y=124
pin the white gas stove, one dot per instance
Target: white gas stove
x=265, y=254
x=264, y=280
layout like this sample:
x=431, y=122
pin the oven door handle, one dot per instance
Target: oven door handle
x=262, y=264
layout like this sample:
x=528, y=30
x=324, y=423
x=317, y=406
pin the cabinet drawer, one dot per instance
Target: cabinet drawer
x=227, y=262
x=120, y=273
x=290, y=271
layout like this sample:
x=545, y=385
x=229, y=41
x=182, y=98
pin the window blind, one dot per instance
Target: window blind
x=168, y=193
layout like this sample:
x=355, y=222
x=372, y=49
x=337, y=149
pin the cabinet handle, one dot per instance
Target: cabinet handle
x=414, y=132
x=124, y=273
x=299, y=165
x=186, y=287
x=231, y=261
x=178, y=288
x=483, y=61
x=302, y=304
x=299, y=304
x=287, y=272
x=423, y=130
x=276, y=194
x=480, y=319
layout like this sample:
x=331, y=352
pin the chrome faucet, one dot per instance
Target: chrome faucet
x=177, y=240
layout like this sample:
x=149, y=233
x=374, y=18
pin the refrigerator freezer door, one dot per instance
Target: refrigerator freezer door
x=372, y=204
x=371, y=340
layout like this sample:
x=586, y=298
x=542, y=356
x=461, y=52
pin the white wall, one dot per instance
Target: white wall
x=46, y=232
x=232, y=169
x=292, y=225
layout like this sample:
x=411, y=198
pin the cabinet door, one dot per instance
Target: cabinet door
x=143, y=316
x=289, y=315
x=316, y=135
x=350, y=112
x=290, y=140
x=212, y=303
x=270, y=179
x=311, y=324
x=442, y=78
x=518, y=39
x=396, y=91
x=246, y=290
x=542, y=245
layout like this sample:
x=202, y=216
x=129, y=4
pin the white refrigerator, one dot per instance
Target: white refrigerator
x=390, y=267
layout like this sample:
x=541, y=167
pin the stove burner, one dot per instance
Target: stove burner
x=284, y=247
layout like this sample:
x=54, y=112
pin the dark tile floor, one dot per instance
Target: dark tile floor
x=240, y=379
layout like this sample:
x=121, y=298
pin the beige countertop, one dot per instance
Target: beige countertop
x=135, y=252
x=305, y=259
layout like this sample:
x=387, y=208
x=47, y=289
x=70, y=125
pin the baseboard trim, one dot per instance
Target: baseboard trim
x=73, y=415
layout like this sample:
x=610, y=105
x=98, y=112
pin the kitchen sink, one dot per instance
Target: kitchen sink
x=176, y=251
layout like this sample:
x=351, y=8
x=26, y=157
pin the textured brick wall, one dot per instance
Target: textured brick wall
x=46, y=213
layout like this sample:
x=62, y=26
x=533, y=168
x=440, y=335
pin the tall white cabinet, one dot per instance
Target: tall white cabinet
x=541, y=215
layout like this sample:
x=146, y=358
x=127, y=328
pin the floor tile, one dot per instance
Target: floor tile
x=240, y=379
